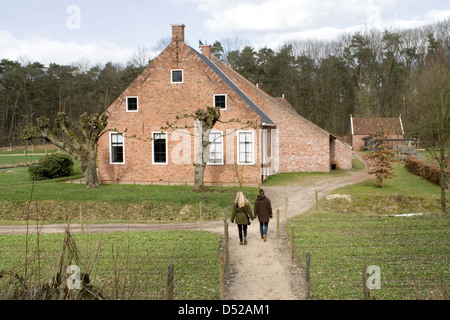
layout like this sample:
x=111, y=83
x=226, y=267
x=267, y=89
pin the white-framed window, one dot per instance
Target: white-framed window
x=159, y=146
x=246, y=147
x=132, y=104
x=216, y=148
x=117, y=148
x=220, y=100
x=177, y=76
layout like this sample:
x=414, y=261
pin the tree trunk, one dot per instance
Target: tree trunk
x=199, y=174
x=443, y=197
x=89, y=169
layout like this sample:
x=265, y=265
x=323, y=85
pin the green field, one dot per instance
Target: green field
x=57, y=201
x=344, y=236
x=308, y=178
x=124, y=265
x=10, y=161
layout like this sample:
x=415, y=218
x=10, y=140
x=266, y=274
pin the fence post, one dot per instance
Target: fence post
x=292, y=244
x=227, y=255
x=278, y=223
x=286, y=205
x=81, y=219
x=222, y=274
x=317, y=200
x=366, y=291
x=170, y=279
x=201, y=216
x=308, y=275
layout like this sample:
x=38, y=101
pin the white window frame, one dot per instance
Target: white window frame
x=171, y=76
x=110, y=148
x=153, y=148
x=137, y=102
x=252, y=148
x=226, y=101
x=209, y=149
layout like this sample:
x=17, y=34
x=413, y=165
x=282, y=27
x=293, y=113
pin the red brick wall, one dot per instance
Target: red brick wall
x=303, y=147
x=342, y=155
x=161, y=101
x=359, y=144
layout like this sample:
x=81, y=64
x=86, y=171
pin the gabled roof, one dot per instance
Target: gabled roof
x=265, y=119
x=273, y=103
x=370, y=126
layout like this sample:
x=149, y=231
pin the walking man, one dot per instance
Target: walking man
x=263, y=211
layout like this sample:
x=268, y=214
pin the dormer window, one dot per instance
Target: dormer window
x=220, y=101
x=132, y=104
x=177, y=76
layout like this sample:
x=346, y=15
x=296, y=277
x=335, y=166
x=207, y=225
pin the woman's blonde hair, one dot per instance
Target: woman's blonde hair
x=241, y=200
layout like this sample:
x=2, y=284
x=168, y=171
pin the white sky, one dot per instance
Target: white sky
x=111, y=30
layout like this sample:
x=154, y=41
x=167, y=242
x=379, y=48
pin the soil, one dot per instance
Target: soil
x=256, y=271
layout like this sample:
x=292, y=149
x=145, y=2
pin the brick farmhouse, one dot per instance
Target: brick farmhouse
x=178, y=82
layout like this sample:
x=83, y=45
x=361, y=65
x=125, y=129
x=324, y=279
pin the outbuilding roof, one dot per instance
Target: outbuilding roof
x=370, y=126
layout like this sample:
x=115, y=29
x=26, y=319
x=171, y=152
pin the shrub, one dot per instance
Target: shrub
x=52, y=166
x=424, y=170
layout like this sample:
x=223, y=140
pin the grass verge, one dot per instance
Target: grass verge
x=347, y=234
x=412, y=253
x=56, y=201
x=308, y=178
x=123, y=265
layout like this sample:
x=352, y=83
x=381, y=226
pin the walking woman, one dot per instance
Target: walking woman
x=242, y=212
x=263, y=211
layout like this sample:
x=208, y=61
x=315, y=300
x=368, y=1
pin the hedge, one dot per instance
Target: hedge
x=426, y=171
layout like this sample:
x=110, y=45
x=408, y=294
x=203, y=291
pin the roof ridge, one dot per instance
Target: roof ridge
x=265, y=119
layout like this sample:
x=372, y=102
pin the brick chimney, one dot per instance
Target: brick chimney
x=178, y=32
x=206, y=51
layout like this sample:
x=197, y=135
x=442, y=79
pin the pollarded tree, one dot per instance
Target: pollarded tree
x=79, y=142
x=204, y=122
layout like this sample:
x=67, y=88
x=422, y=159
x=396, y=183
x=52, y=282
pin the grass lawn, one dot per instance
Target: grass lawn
x=307, y=178
x=406, y=193
x=9, y=161
x=124, y=265
x=412, y=252
x=57, y=200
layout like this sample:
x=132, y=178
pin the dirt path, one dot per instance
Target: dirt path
x=261, y=270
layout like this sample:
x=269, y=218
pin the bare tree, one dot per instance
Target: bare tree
x=81, y=144
x=430, y=114
x=141, y=57
x=162, y=43
x=204, y=122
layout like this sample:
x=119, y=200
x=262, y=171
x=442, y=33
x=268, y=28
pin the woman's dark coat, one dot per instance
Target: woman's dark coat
x=263, y=208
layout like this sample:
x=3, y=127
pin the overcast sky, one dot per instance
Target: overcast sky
x=98, y=31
